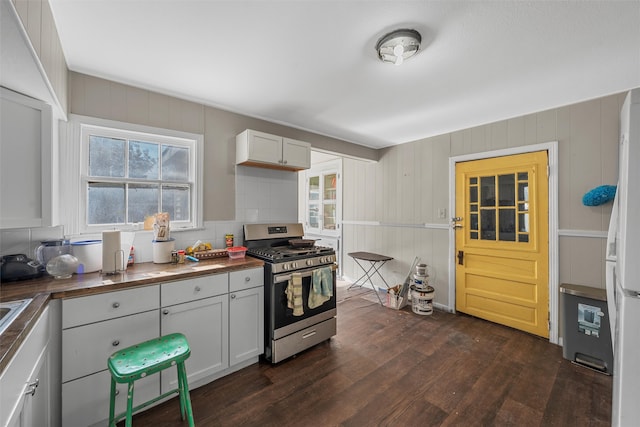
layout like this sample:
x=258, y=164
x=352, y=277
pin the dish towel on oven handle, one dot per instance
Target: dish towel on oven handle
x=321, y=289
x=294, y=294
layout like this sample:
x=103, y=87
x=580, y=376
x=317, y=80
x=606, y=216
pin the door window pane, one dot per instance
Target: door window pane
x=106, y=156
x=488, y=224
x=105, y=203
x=523, y=192
x=329, y=219
x=523, y=222
x=523, y=238
x=473, y=194
x=507, y=190
x=330, y=187
x=473, y=235
x=143, y=160
x=314, y=188
x=313, y=216
x=487, y=191
x=474, y=222
x=508, y=225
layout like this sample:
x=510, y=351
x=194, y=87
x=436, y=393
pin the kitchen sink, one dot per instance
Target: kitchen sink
x=10, y=310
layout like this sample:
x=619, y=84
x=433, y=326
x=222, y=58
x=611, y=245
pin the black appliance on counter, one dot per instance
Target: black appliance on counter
x=279, y=246
x=19, y=267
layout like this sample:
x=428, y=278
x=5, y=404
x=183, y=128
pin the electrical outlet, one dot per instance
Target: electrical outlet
x=442, y=213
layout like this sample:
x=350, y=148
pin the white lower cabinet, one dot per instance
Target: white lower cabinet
x=205, y=323
x=85, y=401
x=246, y=315
x=93, y=328
x=222, y=316
x=26, y=383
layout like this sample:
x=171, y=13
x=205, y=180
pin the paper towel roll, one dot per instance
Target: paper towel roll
x=112, y=257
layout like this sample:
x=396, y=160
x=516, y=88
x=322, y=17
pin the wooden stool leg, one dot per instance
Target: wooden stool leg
x=128, y=422
x=112, y=404
x=184, y=393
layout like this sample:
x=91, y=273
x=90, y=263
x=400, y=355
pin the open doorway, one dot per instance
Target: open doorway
x=320, y=201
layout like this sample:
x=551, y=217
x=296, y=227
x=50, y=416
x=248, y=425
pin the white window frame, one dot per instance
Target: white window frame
x=84, y=126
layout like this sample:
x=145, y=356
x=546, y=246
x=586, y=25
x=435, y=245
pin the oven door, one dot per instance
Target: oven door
x=282, y=320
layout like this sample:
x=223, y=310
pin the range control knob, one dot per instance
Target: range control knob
x=285, y=266
x=309, y=262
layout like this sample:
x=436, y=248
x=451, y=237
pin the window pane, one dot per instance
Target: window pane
x=175, y=200
x=474, y=222
x=329, y=219
x=330, y=187
x=523, y=237
x=105, y=204
x=473, y=235
x=488, y=191
x=473, y=194
x=523, y=222
x=488, y=224
x=474, y=208
x=106, y=156
x=473, y=180
x=314, y=188
x=523, y=176
x=507, y=190
x=143, y=160
x=313, y=216
x=175, y=163
x=508, y=225
x=143, y=201
x=523, y=192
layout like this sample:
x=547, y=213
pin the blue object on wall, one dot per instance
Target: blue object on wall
x=599, y=195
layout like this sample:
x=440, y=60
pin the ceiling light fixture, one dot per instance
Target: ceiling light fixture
x=398, y=46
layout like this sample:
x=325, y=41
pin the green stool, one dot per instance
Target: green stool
x=138, y=361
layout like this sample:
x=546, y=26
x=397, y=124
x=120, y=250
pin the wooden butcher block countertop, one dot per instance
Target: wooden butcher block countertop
x=43, y=289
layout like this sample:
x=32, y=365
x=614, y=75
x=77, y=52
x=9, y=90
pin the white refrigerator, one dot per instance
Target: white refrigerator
x=623, y=269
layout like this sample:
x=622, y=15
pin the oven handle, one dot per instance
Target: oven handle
x=303, y=273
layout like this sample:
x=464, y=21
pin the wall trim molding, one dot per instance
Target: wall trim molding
x=582, y=233
x=394, y=224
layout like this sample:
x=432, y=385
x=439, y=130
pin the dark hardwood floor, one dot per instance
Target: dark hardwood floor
x=397, y=368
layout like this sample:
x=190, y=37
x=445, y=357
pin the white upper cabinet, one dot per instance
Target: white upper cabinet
x=261, y=149
x=26, y=136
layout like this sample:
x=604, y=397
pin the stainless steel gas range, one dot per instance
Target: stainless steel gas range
x=300, y=288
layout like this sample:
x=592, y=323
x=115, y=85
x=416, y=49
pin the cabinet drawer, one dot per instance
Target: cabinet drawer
x=85, y=349
x=95, y=308
x=193, y=289
x=85, y=401
x=246, y=279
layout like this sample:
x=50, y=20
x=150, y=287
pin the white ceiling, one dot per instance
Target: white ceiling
x=311, y=64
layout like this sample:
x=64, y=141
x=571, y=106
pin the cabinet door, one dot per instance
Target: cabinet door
x=205, y=323
x=85, y=401
x=25, y=161
x=264, y=147
x=85, y=349
x=36, y=410
x=246, y=324
x=296, y=154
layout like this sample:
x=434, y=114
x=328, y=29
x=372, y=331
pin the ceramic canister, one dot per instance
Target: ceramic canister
x=89, y=254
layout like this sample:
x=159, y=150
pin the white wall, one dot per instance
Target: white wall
x=391, y=207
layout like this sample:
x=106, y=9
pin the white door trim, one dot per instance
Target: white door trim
x=552, y=150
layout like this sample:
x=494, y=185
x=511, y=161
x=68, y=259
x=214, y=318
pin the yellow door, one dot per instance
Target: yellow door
x=502, y=245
